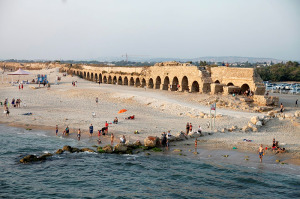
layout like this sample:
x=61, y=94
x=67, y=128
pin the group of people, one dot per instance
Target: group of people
x=74, y=83
x=189, y=129
x=165, y=139
x=276, y=148
x=14, y=103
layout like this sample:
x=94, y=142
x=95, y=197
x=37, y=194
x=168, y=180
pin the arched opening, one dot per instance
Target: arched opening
x=81, y=74
x=125, y=81
x=109, y=80
x=105, y=79
x=230, y=84
x=175, y=83
x=157, y=82
x=88, y=76
x=96, y=77
x=77, y=73
x=92, y=76
x=114, y=80
x=195, y=86
x=73, y=72
x=131, y=81
x=84, y=75
x=185, y=84
x=120, y=82
x=166, y=83
x=143, y=83
x=217, y=82
x=150, y=84
x=244, y=87
x=100, y=78
x=137, y=82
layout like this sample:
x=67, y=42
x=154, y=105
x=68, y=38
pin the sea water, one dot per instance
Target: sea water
x=160, y=175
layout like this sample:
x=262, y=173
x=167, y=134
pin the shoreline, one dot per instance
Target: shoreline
x=186, y=147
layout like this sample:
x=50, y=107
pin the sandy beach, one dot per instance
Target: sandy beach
x=156, y=111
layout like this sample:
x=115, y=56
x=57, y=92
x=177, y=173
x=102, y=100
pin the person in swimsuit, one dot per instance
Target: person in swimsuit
x=56, y=130
x=112, y=137
x=78, y=134
x=281, y=108
x=106, y=126
x=67, y=130
x=191, y=127
x=91, y=130
x=187, y=128
x=261, y=151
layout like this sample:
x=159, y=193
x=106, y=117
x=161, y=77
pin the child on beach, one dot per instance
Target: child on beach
x=91, y=130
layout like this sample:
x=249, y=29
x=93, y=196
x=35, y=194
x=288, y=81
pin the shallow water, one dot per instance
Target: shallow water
x=89, y=175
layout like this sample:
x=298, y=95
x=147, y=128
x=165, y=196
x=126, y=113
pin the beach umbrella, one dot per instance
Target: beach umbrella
x=122, y=111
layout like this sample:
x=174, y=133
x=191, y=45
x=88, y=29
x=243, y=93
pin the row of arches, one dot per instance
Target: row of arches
x=244, y=87
x=157, y=83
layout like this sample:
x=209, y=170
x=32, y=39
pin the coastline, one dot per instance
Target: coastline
x=156, y=112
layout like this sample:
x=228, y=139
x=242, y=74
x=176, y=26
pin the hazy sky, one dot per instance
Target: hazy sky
x=88, y=29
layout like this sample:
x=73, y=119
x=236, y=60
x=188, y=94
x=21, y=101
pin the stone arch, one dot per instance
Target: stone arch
x=96, y=77
x=166, y=83
x=157, y=82
x=84, y=75
x=195, y=86
x=120, y=81
x=175, y=82
x=109, y=80
x=244, y=87
x=131, y=81
x=88, y=76
x=92, y=76
x=77, y=73
x=114, y=80
x=81, y=74
x=217, y=82
x=73, y=72
x=150, y=84
x=137, y=82
x=143, y=82
x=125, y=81
x=104, y=79
x=100, y=78
x=185, y=84
x=230, y=84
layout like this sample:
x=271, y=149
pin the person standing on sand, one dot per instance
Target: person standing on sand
x=196, y=144
x=56, y=130
x=261, y=151
x=112, y=137
x=6, y=110
x=296, y=103
x=106, y=126
x=67, y=131
x=281, y=108
x=191, y=127
x=22, y=86
x=187, y=128
x=78, y=134
x=91, y=130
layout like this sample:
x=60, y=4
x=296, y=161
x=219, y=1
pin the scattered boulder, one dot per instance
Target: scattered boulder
x=181, y=136
x=297, y=114
x=151, y=141
x=59, y=151
x=271, y=113
x=137, y=143
x=223, y=130
x=254, y=119
x=67, y=148
x=75, y=150
x=29, y=158
x=259, y=123
x=87, y=149
x=45, y=156
x=108, y=149
x=288, y=115
x=120, y=148
x=245, y=128
x=251, y=125
x=194, y=134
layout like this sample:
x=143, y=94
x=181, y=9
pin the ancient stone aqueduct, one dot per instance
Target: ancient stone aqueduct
x=167, y=75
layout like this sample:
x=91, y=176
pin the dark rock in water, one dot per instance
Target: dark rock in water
x=120, y=148
x=59, y=151
x=75, y=150
x=151, y=141
x=108, y=149
x=87, y=149
x=44, y=157
x=29, y=158
x=67, y=148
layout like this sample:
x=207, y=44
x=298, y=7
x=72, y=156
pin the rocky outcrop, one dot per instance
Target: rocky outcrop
x=120, y=148
x=87, y=150
x=33, y=158
x=151, y=141
x=108, y=149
